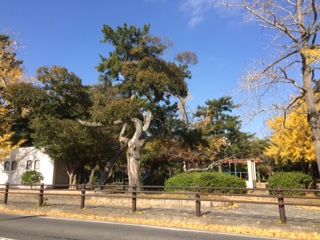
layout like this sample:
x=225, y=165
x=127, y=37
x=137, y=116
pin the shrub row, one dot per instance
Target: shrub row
x=208, y=181
x=289, y=180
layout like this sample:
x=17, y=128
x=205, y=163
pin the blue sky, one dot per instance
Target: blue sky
x=68, y=33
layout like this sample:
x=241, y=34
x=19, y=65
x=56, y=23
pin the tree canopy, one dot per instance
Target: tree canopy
x=139, y=84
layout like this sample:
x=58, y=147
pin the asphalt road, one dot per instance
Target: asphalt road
x=34, y=228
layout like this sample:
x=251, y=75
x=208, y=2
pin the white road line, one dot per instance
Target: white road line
x=1, y=238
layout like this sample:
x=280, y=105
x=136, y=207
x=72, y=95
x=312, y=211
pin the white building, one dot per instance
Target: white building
x=31, y=158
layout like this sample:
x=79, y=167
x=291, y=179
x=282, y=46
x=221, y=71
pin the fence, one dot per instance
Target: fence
x=196, y=194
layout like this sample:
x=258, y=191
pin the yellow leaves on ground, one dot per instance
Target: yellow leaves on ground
x=171, y=223
x=312, y=55
x=291, y=140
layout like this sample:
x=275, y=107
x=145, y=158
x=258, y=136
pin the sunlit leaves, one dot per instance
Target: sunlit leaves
x=10, y=66
x=291, y=140
x=312, y=55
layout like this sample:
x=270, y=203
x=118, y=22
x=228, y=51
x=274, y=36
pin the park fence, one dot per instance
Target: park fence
x=279, y=197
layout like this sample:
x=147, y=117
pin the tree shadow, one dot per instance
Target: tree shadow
x=21, y=217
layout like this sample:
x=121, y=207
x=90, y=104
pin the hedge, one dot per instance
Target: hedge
x=289, y=180
x=31, y=177
x=206, y=180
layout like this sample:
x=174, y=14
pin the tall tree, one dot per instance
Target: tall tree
x=10, y=73
x=48, y=115
x=296, y=25
x=73, y=144
x=141, y=80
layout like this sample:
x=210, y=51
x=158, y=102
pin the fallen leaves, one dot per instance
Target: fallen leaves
x=171, y=223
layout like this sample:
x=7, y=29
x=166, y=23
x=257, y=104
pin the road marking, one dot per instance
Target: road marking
x=1, y=238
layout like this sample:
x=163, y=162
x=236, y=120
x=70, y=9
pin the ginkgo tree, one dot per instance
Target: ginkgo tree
x=5, y=143
x=10, y=73
x=291, y=72
x=292, y=141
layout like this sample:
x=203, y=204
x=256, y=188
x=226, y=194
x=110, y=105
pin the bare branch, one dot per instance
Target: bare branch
x=293, y=102
x=89, y=124
x=282, y=58
x=212, y=165
x=147, y=121
x=122, y=139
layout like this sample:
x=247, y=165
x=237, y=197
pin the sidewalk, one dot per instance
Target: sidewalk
x=251, y=219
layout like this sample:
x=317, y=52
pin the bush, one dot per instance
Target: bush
x=289, y=180
x=207, y=180
x=31, y=177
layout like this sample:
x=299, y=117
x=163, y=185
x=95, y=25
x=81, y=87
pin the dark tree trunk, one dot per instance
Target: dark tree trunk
x=313, y=114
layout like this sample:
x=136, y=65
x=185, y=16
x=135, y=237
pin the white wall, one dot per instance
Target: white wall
x=22, y=155
x=252, y=175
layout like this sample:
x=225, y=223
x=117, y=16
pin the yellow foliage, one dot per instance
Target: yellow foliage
x=10, y=67
x=291, y=141
x=4, y=125
x=312, y=55
x=10, y=72
x=6, y=146
x=215, y=146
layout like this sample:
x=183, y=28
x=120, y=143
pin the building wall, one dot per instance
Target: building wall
x=22, y=155
x=60, y=175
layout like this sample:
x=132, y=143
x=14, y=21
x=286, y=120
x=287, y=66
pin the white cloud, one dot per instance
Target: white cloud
x=194, y=21
x=196, y=9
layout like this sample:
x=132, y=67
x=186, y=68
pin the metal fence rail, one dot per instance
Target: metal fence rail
x=194, y=193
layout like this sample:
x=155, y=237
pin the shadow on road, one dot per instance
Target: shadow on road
x=20, y=217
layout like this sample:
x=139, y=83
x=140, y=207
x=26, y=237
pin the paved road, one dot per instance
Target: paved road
x=34, y=228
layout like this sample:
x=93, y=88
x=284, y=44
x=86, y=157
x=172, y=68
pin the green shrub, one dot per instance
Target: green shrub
x=289, y=180
x=31, y=177
x=206, y=180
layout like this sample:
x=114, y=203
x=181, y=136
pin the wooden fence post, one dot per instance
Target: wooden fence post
x=40, y=203
x=281, y=204
x=83, y=196
x=134, y=199
x=198, y=203
x=6, y=194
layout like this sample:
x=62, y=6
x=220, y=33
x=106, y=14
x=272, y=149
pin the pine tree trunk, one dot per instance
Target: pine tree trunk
x=72, y=179
x=92, y=173
x=134, y=146
x=133, y=161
